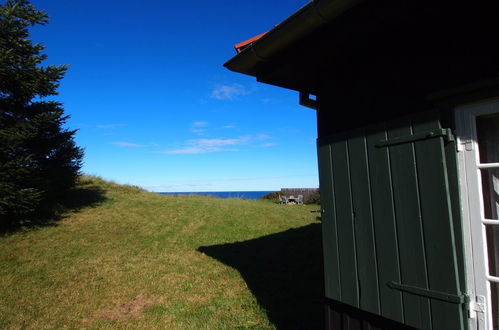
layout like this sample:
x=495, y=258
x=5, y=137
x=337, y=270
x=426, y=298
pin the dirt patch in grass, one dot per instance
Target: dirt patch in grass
x=130, y=309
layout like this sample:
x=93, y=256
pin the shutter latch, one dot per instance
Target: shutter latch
x=468, y=144
x=477, y=311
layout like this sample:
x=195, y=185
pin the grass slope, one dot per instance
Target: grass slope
x=134, y=259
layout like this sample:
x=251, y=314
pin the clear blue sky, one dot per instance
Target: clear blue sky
x=155, y=107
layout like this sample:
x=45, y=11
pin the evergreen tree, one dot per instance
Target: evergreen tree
x=39, y=160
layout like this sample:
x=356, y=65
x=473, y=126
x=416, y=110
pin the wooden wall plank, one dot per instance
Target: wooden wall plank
x=363, y=223
x=438, y=226
x=351, y=323
x=453, y=176
x=329, y=233
x=334, y=320
x=344, y=223
x=385, y=228
x=341, y=316
x=389, y=217
x=409, y=228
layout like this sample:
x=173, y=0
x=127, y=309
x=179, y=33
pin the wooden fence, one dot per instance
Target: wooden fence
x=308, y=193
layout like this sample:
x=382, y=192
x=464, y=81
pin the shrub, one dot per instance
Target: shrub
x=314, y=198
x=273, y=196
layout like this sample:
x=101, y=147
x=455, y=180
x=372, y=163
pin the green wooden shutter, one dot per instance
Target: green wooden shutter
x=389, y=239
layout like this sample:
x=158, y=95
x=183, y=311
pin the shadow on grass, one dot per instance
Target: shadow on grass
x=284, y=271
x=86, y=195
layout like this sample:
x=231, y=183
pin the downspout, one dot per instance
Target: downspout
x=309, y=18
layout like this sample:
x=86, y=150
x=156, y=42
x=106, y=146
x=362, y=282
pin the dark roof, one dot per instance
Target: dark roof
x=386, y=47
x=302, y=23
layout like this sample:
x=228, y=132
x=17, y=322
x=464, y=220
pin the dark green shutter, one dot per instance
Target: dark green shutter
x=389, y=238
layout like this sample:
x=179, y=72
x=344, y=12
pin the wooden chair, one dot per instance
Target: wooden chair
x=283, y=199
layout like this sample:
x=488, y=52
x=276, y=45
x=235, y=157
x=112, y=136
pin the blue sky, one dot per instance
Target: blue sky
x=155, y=107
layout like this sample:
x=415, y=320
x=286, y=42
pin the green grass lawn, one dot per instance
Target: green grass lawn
x=126, y=258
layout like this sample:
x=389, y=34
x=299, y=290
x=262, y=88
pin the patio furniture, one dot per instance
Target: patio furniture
x=283, y=199
x=299, y=199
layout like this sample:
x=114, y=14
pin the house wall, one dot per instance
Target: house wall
x=389, y=69
x=391, y=221
x=373, y=84
x=340, y=316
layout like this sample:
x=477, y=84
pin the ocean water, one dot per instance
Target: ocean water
x=224, y=194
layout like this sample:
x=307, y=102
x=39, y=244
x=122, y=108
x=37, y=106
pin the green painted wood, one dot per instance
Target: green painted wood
x=329, y=233
x=413, y=137
x=453, y=176
x=409, y=228
x=432, y=294
x=438, y=228
x=344, y=223
x=393, y=219
x=385, y=228
x=363, y=223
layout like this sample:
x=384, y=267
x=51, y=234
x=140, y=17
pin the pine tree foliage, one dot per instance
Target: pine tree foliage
x=39, y=160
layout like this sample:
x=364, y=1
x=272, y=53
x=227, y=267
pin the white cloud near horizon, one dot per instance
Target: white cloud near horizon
x=109, y=126
x=198, y=127
x=296, y=175
x=199, y=146
x=199, y=123
x=222, y=142
x=127, y=144
x=226, y=182
x=229, y=92
x=189, y=151
x=262, y=137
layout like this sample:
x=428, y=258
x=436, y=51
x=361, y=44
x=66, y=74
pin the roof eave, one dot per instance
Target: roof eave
x=306, y=20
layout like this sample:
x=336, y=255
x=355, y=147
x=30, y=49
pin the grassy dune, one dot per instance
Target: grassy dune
x=126, y=258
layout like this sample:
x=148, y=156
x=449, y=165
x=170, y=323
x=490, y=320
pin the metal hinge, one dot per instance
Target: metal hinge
x=465, y=144
x=442, y=296
x=446, y=133
x=477, y=310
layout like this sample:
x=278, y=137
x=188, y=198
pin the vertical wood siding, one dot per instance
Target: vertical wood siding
x=439, y=239
x=385, y=227
x=332, y=280
x=344, y=223
x=409, y=229
x=363, y=224
x=388, y=217
x=343, y=317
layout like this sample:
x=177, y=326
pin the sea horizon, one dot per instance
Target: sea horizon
x=242, y=194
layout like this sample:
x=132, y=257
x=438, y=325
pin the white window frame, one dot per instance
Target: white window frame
x=477, y=272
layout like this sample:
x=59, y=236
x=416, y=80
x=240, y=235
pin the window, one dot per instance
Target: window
x=478, y=133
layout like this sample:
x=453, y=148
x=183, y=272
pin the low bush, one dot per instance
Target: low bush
x=314, y=198
x=273, y=196
x=308, y=198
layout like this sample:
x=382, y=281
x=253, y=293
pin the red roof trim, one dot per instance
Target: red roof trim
x=240, y=46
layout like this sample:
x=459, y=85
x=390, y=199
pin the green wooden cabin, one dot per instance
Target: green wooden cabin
x=407, y=101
